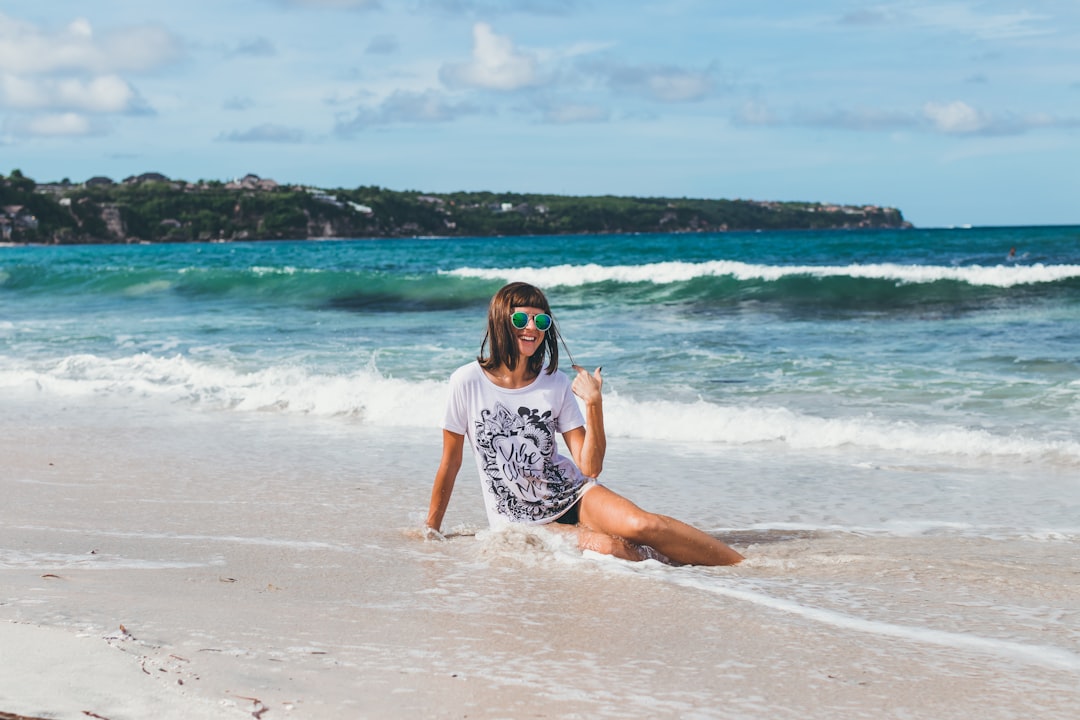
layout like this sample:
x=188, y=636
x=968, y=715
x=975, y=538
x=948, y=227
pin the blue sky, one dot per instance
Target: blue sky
x=959, y=112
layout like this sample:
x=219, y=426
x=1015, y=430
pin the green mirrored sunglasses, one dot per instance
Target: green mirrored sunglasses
x=520, y=320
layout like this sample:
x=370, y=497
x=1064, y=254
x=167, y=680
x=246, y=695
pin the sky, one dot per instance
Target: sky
x=963, y=112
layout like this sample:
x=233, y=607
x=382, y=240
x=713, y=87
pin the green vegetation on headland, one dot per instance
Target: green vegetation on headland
x=154, y=208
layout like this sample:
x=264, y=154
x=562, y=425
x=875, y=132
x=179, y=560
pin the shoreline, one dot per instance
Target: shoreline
x=569, y=234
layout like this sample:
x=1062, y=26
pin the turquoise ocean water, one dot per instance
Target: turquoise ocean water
x=889, y=347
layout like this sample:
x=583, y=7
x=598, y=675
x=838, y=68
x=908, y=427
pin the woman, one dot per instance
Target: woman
x=510, y=404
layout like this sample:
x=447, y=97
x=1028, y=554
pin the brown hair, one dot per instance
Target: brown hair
x=504, y=350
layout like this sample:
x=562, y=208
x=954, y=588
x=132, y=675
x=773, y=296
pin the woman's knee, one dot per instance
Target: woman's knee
x=642, y=526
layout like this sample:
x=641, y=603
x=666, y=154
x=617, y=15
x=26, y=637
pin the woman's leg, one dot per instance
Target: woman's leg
x=607, y=512
x=588, y=539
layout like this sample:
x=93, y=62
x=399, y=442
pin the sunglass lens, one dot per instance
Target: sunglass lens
x=542, y=322
x=519, y=320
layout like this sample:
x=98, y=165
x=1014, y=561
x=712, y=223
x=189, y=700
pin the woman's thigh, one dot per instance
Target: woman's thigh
x=606, y=511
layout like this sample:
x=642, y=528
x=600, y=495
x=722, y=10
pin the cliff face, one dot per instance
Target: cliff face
x=114, y=222
x=152, y=208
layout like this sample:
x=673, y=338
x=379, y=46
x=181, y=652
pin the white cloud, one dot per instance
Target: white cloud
x=956, y=117
x=952, y=118
x=863, y=119
x=267, y=133
x=960, y=17
x=869, y=119
x=965, y=18
x=667, y=84
x=417, y=107
x=407, y=107
x=68, y=124
x=104, y=94
x=496, y=64
x=56, y=79
x=26, y=49
x=577, y=50
x=678, y=85
x=81, y=26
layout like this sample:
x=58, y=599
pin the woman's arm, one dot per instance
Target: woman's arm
x=453, y=444
x=589, y=444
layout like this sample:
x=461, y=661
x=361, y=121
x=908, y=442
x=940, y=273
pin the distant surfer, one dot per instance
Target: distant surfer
x=511, y=403
x=1012, y=253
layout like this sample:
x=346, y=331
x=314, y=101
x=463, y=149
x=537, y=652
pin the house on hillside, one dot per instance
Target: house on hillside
x=251, y=181
x=325, y=197
x=145, y=178
x=14, y=218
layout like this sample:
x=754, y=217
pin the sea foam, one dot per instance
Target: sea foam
x=368, y=395
x=672, y=272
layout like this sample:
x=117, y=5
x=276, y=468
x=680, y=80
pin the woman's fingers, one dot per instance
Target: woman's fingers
x=587, y=385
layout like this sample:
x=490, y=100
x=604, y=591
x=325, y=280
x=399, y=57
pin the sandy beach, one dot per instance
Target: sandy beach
x=189, y=565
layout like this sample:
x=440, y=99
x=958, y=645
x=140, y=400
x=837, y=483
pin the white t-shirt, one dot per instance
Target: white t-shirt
x=514, y=437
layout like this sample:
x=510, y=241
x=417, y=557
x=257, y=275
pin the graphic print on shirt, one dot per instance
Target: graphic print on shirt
x=517, y=449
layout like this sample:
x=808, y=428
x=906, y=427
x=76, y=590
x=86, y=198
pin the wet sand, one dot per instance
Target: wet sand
x=210, y=566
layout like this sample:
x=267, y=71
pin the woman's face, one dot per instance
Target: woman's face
x=529, y=339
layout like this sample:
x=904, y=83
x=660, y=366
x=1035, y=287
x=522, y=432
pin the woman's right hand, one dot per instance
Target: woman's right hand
x=588, y=386
x=431, y=533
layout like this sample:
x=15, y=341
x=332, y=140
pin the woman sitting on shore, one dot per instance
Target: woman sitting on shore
x=511, y=403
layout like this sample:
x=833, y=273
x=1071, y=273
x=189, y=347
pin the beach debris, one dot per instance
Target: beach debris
x=87, y=713
x=13, y=716
x=257, y=707
x=52, y=575
x=227, y=579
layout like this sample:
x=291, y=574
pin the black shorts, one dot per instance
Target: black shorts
x=570, y=517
